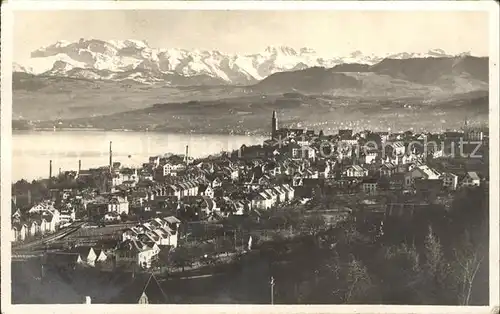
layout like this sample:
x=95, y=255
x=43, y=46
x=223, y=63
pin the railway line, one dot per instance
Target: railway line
x=26, y=247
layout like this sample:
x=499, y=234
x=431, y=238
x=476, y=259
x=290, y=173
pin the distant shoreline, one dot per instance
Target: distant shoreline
x=189, y=132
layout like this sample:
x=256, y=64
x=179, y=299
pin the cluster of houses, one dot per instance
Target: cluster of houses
x=41, y=219
x=138, y=245
x=291, y=165
x=142, y=243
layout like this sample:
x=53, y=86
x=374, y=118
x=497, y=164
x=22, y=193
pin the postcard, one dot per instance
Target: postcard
x=322, y=157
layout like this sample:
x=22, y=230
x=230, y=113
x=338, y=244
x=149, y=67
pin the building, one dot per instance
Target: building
x=421, y=172
x=394, y=149
x=119, y=205
x=206, y=190
x=387, y=169
x=261, y=200
x=87, y=254
x=450, y=181
x=384, y=136
x=301, y=152
x=355, y=171
x=274, y=126
x=370, y=157
x=170, y=168
x=134, y=252
x=369, y=186
x=471, y=179
x=144, y=289
x=20, y=231
x=161, y=231
x=474, y=135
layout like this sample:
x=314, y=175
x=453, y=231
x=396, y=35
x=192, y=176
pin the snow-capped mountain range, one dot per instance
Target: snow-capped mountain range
x=135, y=60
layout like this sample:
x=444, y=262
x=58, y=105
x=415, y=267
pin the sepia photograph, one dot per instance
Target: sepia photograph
x=251, y=156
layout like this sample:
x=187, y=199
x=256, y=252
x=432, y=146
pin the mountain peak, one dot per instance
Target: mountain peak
x=127, y=43
x=284, y=50
x=306, y=50
x=136, y=60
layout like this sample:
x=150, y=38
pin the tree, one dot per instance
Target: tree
x=433, y=254
x=314, y=223
x=182, y=257
x=400, y=266
x=436, y=276
x=358, y=282
x=468, y=260
x=124, y=217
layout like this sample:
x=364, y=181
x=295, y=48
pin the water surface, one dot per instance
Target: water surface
x=32, y=150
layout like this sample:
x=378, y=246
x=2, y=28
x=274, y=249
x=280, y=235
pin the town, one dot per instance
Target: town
x=180, y=217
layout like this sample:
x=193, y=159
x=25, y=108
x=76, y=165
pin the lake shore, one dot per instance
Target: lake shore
x=32, y=150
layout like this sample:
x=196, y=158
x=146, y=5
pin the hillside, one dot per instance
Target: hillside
x=251, y=114
x=47, y=98
x=431, y=70
x=50, y=98
x=390, y=76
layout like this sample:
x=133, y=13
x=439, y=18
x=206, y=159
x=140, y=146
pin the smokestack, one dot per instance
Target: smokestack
x=50, y=169
x=187, y=153
x=79, y=165
x=110, y=155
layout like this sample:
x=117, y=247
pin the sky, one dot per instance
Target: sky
x=327, y=32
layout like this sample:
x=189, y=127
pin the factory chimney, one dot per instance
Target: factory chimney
x=50, y=169
x=110, y=156
x=79, y=166
x=187, y=154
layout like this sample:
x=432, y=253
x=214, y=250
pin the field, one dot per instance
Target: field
x=378, y=103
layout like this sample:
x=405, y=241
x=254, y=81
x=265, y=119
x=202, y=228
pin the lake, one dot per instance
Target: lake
x=33, y=150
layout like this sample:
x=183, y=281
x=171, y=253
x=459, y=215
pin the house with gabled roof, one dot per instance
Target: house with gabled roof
x=290, y=192
x=135, y=251
x=34, y=227
x=206, y=190
x=87, y=254
x=421, y=172
x=355, y=171
x=281, y=193
x=264, y=180
x=387, y=169
x=298, y=179
x=118, y=204
x=471, y=178
x=396, y=148
x=144, y=289
x=20, y=231
x=273, y=194
x=261, y=200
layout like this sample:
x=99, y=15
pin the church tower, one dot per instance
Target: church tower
x=274, y=126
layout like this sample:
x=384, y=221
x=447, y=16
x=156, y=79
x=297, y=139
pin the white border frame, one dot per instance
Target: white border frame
x=6, y=138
